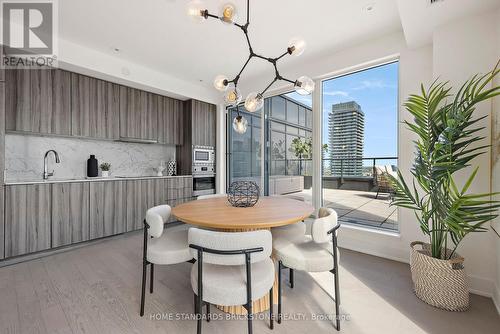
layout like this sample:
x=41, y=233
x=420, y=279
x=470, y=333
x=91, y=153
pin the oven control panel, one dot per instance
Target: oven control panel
x=203, y=169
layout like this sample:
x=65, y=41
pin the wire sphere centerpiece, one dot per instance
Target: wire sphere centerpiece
x=243, y=194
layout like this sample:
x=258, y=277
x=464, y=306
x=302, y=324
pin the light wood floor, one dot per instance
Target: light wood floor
x=95, y=289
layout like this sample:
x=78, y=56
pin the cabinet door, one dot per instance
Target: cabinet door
x=170, y=121
x=18, y=100
x=203, y=123
x=95, y=107
x=38, y=101
x=2, y=225
x=140, y=197
x=138, y=115
x=70, y=213
x=108, y=203
x=27, y=219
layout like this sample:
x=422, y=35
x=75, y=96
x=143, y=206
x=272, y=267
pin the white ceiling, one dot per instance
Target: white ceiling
x=158, y=34
x=420, y=18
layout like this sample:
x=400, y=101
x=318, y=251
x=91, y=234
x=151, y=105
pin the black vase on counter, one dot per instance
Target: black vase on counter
x=92, y=170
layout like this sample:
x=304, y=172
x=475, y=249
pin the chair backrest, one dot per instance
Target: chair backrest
x=327, y=219
x=230, y=241
x=156, y=217
x=211, y=196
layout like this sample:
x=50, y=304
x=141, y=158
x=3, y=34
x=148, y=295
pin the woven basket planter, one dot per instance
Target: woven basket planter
x=440, y=283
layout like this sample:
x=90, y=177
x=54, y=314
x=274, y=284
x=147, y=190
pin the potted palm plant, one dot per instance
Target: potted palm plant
x=447, y=142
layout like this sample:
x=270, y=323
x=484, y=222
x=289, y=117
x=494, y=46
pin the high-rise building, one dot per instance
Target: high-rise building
x=346, y=127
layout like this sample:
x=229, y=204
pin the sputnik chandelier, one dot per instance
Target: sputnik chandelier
x=232, y=96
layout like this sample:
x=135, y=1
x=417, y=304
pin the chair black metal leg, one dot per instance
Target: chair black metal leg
x=195, y=303
x=199, y=315
x=279, y=292
x=151, y=278
x=208, y=312
x=337, y=299
x=143, y=290
x=250, y=316
x=291, y=277
x=271, y=306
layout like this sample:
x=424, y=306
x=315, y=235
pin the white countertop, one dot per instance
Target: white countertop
x=90, y=179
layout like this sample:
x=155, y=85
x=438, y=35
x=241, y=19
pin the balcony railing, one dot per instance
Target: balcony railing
x=337, y=167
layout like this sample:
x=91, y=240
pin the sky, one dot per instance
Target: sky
x=376, y=91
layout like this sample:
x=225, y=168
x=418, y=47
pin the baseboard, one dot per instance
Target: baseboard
x=496, y=298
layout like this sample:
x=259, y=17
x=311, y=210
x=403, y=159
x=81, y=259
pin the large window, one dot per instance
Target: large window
x=287, y=130
x=360, y=117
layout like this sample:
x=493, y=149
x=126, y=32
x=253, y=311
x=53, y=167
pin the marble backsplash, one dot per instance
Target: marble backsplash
x=24, y=156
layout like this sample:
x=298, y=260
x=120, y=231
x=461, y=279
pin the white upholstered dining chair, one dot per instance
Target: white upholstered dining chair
x=232, y=268
x=311, y=253
x=162, y=245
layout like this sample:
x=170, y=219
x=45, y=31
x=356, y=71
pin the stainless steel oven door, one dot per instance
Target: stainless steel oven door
x=203, y=185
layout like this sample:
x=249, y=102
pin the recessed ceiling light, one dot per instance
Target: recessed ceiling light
x=369, y=7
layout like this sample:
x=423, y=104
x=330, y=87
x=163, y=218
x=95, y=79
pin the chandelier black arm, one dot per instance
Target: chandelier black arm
x=268, y=86
x=288, y=80
x=237, y=77
x=284, y=54
x=248, y=12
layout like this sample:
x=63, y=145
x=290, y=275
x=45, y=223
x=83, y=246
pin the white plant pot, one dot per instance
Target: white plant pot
x=105, y=173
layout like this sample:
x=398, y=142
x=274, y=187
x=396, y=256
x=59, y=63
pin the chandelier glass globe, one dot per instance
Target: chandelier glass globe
x=254, y=102
x=296, y=46
x=240, y=124
x=229, y=13
x=232, y=97
x=304, y=85
x=195, y=10
x=220, y=83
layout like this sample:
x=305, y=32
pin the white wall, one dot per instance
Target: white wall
x=495, y=168
x=461, y=49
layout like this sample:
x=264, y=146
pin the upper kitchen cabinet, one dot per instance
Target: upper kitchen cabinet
x=203, y=123
x=94, y=107
x=38, y=101
x=138, y=115
x=170, y=120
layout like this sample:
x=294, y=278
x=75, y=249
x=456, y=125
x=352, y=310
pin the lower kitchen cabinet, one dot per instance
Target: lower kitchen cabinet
x=27, y=219
x=140, y=197
x=70, y=213
x=108, y=205
x=43, y=216
x=2, y=226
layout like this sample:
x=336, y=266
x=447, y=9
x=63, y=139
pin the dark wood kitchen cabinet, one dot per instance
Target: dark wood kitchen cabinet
x=38, y=101
x=94, y=107
x=27, y=219
x=70, y=213
x=108, y=208
x=2, y=222
x=138, y=115
x=203, y=123
x=140, y=197
x=170, y=120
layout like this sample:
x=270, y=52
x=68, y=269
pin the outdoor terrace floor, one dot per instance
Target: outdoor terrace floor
x=359, y=208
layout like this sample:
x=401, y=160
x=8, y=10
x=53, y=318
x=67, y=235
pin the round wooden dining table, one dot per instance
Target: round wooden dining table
x=217, y=213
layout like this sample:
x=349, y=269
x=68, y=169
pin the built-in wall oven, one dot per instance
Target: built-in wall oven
x=203, y=170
